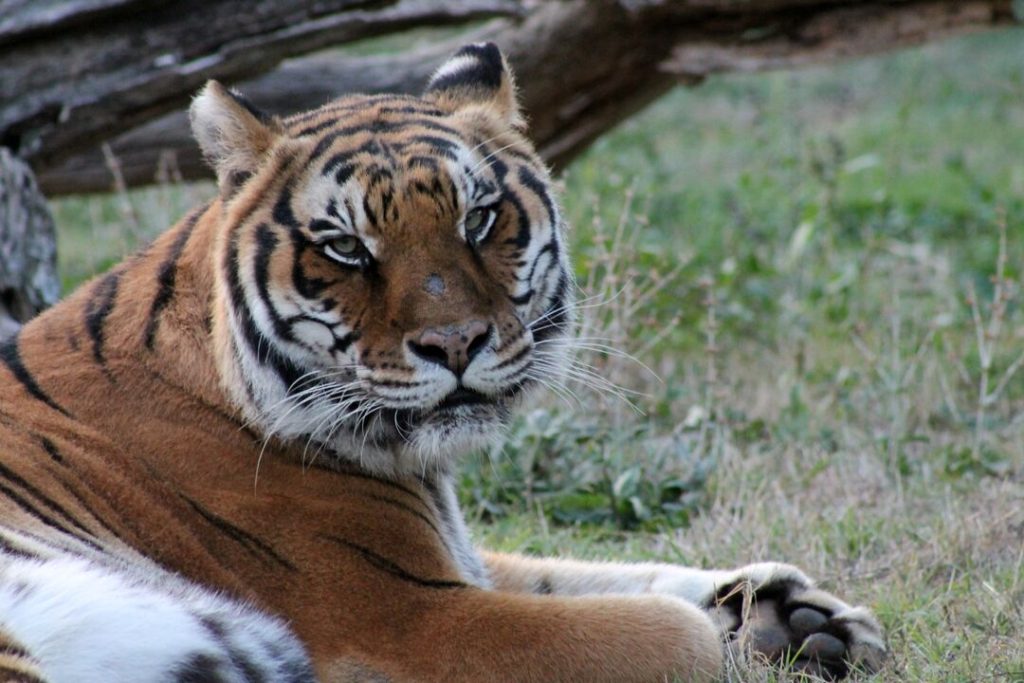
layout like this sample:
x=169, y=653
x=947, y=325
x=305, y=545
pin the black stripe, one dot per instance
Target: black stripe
x=11, y=357
x=96, y=311
x=438, y=145
x=394, y=383
x=260, y=115
x=167, y=276
x=199, y=668
x=342, y=175
x=14, y=478
x=238, y=659
x=7, y=549
x=283, y=213
x=354, y=104
x=12, y=649
x=522, y=299
x=555, y=319
x=346, y=132
x=254, y=545
x=453, y=194
x=514, y=359
x=390, y=567
x=407, y=508
x=530, y=181
x=374, y=126
x=342, y=344
x=20, y=675
x=371, y=215
x=370, y=147
x=321, y=225
x=429, y=163
x=553, y=263
x=551, y=247
x=76, y=494
x=383, y=482
x=266, y=243
x=263, y=349
x=435, y=192
x=51, y=450
x=500, y=169
x=41, y=516
x=293, y=378
x=308, y=287
x=419, y=110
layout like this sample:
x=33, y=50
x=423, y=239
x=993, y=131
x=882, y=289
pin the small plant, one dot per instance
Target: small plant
x=990, y=337
x=604, y=449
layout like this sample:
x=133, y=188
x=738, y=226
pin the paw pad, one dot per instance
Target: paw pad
x=806, y=629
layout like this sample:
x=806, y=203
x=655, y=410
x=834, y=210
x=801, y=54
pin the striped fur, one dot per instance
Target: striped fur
x=231, y=458
x=17, y=665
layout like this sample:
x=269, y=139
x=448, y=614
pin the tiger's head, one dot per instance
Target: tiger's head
x=391, y=270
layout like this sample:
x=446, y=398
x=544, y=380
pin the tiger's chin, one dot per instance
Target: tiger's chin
x=443, y=437
x=397, y=443
x=435, y=438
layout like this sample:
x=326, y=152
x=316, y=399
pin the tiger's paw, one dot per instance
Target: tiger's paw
x=775, y=611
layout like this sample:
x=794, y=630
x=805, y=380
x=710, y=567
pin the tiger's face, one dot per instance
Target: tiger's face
x=392, y=276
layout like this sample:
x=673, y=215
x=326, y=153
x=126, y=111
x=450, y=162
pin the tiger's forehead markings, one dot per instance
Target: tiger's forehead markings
x=381, y=124
x=346, y=107
x=375, y=170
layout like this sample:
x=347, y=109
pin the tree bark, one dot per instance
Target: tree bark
x=76, y=72
x=582, y=67
x=28, y=252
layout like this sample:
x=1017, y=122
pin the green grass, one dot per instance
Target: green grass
x=794, y=256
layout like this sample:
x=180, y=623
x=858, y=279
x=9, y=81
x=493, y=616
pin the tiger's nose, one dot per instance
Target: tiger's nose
x=453, y=346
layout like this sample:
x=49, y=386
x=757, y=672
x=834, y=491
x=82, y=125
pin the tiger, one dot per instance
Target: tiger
x=233, y=457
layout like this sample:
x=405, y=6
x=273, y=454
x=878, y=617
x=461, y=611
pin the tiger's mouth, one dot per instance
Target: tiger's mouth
x=462, y=407
x=463, y=397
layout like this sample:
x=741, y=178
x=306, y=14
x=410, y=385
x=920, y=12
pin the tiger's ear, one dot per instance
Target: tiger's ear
x=477, y=75
x=234, y=135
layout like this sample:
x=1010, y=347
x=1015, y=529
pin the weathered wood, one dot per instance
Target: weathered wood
x=845, y=32
x=582, y=65
x=75, y=72
x=28, y=253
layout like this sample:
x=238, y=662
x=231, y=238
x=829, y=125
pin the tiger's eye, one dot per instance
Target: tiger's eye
x=475, y=220
x=348, y=250
x=478, y=224
x=346, y=245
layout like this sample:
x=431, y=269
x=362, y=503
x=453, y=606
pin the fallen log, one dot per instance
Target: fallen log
x=74, y=73
x=582, y=65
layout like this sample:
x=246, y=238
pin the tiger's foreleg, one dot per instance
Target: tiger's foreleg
x=774, y=607
x=469, y=634
x=65, y=619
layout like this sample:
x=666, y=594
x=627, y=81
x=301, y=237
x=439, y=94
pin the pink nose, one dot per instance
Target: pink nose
x=452, y=346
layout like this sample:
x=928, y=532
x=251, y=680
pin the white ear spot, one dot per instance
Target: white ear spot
x=453, y=67
x=477, y=75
